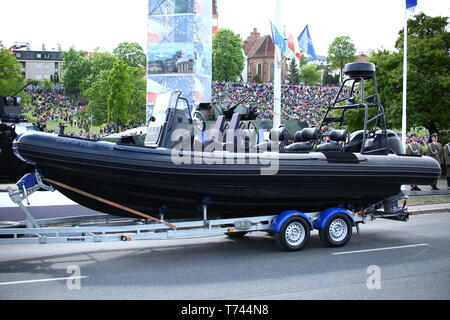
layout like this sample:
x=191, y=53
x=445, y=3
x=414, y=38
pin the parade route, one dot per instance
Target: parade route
x=412, y=258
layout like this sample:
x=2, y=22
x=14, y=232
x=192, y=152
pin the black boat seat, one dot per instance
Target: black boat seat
x=299, y=147
x=278, y=140
x=305, y=141
x=216, y=138
x=336, y=137
x=356, y=141
x=331, y=146
x=249, y=140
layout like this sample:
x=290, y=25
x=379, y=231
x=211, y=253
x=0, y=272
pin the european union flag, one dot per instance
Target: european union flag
x=305, y=43
x=411, y=5
x=278, y=39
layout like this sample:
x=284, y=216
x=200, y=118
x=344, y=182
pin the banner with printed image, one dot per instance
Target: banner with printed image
x=179, y=49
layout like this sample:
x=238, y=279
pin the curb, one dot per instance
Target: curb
x=420, y=210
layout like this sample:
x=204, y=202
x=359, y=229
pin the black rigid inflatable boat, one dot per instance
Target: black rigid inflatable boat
x=239, y=177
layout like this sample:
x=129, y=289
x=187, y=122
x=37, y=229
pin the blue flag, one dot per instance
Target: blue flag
x=411, y=5
x=278, y=39
x=306, y=44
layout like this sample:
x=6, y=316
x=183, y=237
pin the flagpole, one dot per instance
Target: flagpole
x=405, y=79
x=277, y=73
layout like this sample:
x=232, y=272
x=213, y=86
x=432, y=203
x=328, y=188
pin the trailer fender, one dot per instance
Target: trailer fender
x=326, y=215
x=277, y=224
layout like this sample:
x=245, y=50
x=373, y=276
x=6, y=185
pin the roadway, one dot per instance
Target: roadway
x=410, y=261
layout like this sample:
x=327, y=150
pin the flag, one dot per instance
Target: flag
x=411, y=5
x=306, y=44
x=291, y=44
x=295, y=52
x=278, y=39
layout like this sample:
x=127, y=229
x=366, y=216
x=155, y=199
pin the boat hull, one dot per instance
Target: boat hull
x=145, y=179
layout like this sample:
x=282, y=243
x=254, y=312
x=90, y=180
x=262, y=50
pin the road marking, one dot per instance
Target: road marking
x=382, y=249
x=41, y=280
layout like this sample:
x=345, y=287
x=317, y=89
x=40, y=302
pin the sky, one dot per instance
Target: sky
x=90, y=24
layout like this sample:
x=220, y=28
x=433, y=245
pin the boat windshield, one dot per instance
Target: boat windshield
x=159, y=116
x=160, y=108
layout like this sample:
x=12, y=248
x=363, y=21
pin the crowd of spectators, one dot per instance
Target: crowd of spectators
x=51, y=104
x=298, y=102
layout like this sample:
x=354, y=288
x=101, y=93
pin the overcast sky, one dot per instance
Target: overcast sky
x=87, y=24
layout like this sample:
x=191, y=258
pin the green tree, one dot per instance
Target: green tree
x=328, y=78
x=10, y=76
x=293, y=72
x=257, y=79
x=75, y=69
x=341, y=51
x=119, y=97
x=428, y=75
x=115, y=91
x=138, y=96
x=310, y=75
x=132, y=54
x=228, y=58
x=97, y=95
x=98, y=61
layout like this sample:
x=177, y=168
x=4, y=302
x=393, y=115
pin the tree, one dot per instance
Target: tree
x=293, y=73
x=341, y=51
x=10, y=76
x=310, y=75
x=328, y=78
x=228, y=58
x=428, y=75
x=119, y=97
x=75, y=69
x=132, y=54
x=98, y=61
x=257, y=79
x=97, y=95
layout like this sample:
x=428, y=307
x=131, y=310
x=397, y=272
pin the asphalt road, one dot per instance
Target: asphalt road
x=250, y=269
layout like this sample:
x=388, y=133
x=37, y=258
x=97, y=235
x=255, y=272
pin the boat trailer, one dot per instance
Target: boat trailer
x=291, y=229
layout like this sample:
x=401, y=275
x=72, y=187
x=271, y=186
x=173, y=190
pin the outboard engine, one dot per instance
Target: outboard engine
x=395, y=143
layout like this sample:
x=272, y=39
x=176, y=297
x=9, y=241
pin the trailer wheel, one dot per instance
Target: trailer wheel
x=337, y=232
x=294, y=234
x=236, y=235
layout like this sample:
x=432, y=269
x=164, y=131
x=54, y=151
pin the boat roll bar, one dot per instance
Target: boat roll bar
x=359, y=74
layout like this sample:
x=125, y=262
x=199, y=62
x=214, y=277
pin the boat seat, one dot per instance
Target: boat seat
x=356, y=141
x=305, y=141
x=233, y=133
x=331, y=146
x=336, y=137
x=249, y=140
x=216, y=137
x=278, y=138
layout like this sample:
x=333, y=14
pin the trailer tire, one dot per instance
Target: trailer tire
x=337, y=232
x=294, y=234
x=236, y=235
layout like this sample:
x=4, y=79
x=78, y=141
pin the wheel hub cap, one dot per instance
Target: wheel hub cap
x=295, y=234
x=338, y=230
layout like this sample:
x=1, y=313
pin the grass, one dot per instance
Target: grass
x=54, y=125
x=428, y=200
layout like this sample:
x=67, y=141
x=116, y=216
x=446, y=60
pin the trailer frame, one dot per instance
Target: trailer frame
x=288, y=227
